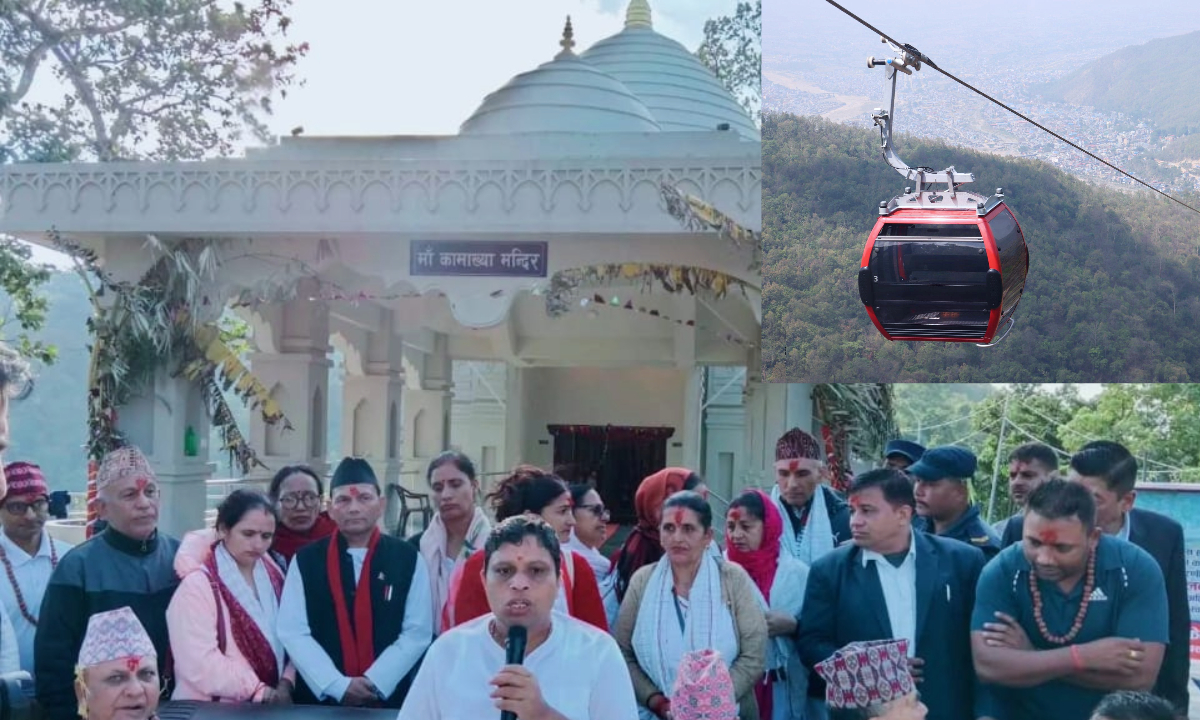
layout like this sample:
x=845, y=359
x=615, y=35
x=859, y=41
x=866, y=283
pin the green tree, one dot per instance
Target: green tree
x=22, y=281
x=938, y=414
x=163, y=80
x=732, y=49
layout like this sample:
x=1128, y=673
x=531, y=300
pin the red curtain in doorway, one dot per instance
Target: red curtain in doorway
x=618, y=456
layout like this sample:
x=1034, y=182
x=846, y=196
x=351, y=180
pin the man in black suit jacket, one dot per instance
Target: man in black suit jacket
x=893, y=583
x=1108, y=470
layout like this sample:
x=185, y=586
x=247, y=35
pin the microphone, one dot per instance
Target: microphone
x=514, y=654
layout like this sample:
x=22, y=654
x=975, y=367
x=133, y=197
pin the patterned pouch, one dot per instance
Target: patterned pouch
x=703, y=688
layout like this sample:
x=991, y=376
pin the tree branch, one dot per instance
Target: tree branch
x=102, y=143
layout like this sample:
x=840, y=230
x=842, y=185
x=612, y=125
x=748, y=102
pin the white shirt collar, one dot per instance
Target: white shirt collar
x=868, y=555
x=11, y=547
x=1123, y=533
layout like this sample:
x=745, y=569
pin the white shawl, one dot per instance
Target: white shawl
x=606, y=576
x=262, y=609
x=659, y=644
x=818, y=535
x=433, y=549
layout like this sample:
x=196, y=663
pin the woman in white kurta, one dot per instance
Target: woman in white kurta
x=753, y=527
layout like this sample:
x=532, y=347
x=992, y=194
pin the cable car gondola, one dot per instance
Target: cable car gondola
x=945, y=265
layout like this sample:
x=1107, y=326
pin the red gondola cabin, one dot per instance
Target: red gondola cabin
x=943, y=267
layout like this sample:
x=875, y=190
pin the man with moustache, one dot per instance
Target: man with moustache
x=571, y=670
x=27, y=551
x=128, y=564
x=894, y=583
x=899, y=454
x=356, y=613
x=1029, y=466
x=1109, y=471
x=1070, y=613
x=943, y=493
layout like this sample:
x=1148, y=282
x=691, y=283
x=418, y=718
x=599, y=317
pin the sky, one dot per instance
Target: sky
x=418, y=68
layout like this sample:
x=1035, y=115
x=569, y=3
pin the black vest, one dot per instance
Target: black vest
x=395, y=561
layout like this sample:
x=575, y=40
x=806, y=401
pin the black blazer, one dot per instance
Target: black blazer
x=844, y=603
x=1162, y=537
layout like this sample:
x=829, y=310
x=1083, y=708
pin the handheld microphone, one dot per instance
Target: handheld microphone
x=514, y=654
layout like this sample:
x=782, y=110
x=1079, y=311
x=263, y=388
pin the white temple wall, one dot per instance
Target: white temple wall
x=650, y=397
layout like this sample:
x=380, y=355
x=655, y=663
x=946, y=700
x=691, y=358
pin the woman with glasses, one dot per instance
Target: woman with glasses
x=458, y=528
x=222, y=616
x=538, y=493
x=587, y=537
x=297, y=490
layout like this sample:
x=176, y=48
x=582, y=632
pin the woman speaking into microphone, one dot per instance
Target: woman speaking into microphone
x=569, y=671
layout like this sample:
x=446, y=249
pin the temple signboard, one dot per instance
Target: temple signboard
x=477, y=258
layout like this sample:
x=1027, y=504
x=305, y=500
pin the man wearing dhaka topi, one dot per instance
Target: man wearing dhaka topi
x=128, y=564
x=815, y=519
x=1069, y=614
x=117, y=671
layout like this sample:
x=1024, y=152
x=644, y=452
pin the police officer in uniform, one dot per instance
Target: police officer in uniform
x=899, y=454
x=943, y=493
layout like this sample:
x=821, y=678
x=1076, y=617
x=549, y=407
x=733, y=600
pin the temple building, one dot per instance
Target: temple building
x=518, y=290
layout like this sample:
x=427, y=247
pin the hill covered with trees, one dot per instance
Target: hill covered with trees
x=1113, y=292
x=1149, y=82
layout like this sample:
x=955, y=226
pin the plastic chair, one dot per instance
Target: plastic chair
x=411, y=504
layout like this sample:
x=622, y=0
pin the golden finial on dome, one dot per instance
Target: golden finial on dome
x=638, y=14
x=568, y=40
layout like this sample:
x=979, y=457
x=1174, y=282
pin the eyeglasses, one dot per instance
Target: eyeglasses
x=308, y=500
x=18, y=509
x=598, y=510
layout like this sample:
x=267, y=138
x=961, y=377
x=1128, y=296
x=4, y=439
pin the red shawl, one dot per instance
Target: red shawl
x=358, y=642
x=288, y=541
x=246, y=633
x=762, y=563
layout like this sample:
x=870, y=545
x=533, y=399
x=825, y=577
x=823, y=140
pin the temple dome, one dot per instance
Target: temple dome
x=563, y=95
x=681, y=93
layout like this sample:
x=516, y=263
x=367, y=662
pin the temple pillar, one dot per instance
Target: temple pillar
x=373, y=412
x=157, y=422
x=298, y=377
x=427, y=412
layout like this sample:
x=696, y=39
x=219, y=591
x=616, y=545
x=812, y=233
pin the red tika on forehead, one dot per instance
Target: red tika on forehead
x=793, y=465
x=854, y=502
x=736, y=514
x=797, y=445
x=1048, y=537
x=132, y=663
x=677, y=516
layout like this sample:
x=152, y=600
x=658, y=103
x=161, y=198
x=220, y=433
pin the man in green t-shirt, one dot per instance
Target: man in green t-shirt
x=1069, y=614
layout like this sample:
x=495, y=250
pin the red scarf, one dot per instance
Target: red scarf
x=246, y=633
x=358, y=643
x=288, y=541
x=762, y=563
